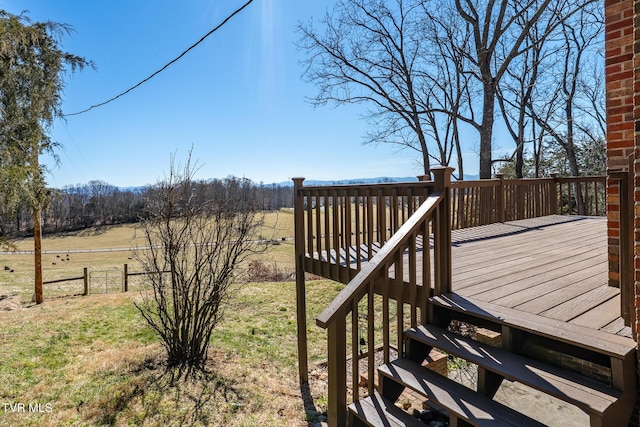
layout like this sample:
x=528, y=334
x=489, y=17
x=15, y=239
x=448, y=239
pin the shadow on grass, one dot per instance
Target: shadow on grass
x=312, y=413
x=161, y=396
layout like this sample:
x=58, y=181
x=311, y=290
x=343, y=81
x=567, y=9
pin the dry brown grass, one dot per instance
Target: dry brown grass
x=95, y=361
x=57, y=265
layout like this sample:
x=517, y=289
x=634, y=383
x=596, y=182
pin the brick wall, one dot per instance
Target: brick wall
x=636, y=166
x=619, y=38
x=622, y=39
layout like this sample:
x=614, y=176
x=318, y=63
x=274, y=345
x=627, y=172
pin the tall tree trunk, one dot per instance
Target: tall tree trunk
x=486, y=131
x=520, y=159
x=37, y=252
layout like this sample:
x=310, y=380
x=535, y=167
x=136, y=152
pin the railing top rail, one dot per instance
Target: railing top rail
x=475, y=183
x=342, y=302
x=383, y=186
x=527, y=180
x=453, y=184
x=597, y=178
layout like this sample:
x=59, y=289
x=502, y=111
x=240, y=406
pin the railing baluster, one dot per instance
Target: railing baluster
x=413, y=285
x=348, y=235
x=399, y=293
x=426, y=270
x=355, y=346
x=318, y=226
x=381, y=202
x=358, y=231
x=370, y=234
x=385, y=313
x=310, y=234
x=371, y=338
x=335, y=205
x=327, y=237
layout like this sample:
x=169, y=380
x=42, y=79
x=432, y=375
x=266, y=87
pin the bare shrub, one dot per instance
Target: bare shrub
x=259, y=271
x=192, y=249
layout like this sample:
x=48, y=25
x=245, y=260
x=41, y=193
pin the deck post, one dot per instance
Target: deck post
x=626, y=257
x=442, y=181
x=425, y=192
x=337, y=369
x=301, y=304
x=500, y=198
x=553, y=202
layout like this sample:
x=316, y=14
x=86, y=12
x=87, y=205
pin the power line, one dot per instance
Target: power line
x=166, y=65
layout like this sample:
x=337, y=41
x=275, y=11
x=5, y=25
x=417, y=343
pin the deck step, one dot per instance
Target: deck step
x=462, y=402
x=594, y=398
x=576, y=335
x=376, y=411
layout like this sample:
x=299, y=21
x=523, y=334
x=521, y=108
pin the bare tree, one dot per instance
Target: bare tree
x=500, y=28
x=447, y=89
x=370, y=53
x=194, y=247
x=571, y=109
x=517, y=89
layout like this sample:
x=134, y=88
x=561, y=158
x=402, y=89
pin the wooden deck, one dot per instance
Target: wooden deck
x=554, y=266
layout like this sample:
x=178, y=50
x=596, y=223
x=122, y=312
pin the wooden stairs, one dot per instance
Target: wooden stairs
x=608, y=401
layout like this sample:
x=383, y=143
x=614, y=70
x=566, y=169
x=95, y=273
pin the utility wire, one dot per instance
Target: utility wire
x=165, y=66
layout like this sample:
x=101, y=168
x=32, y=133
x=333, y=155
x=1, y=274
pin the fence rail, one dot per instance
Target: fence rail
x=86, y=277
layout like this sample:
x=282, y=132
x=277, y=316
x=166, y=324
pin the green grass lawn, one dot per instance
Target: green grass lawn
x=93, y=361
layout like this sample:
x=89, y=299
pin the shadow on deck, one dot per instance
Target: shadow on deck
x=553, y=266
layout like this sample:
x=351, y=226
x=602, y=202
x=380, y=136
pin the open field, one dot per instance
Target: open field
x=92, y=361
x=66, y=256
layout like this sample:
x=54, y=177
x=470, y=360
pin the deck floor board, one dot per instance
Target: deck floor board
x=554, y=267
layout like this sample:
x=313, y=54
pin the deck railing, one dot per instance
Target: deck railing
x=346, y=224
x=360, y=235
x=386, y=278
x=489, y=201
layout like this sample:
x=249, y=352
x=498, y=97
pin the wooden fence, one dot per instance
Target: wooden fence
x=86, y=282
x=84, y=278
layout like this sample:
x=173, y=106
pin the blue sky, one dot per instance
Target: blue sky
x=238, y=98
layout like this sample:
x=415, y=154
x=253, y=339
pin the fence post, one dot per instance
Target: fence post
x=442, y=181
x=126, y=277
x=86, y=281
x=301, y=303
x=500, y=198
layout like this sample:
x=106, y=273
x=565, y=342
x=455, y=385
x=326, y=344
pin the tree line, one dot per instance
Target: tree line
x=98, y=203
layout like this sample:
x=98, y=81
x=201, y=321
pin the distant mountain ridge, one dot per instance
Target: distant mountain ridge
x=377, y=180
